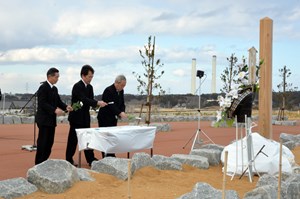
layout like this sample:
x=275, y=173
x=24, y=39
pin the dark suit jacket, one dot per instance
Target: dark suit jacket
x=81, y=117
x=107, y=115
x=48, y=101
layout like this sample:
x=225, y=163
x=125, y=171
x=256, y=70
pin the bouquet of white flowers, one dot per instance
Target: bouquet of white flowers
x=77, y=105
x=243, y=84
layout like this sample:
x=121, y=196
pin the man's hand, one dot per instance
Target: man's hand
x=58, y=111
x=69, y=108
x=101, y=103
x=123, y=115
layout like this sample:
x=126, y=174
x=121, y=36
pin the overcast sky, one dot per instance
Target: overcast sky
x=107, y=34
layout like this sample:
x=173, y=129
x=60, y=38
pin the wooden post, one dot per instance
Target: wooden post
x=280, y=171
x=265, y=82
x=252, y=65
x=224, y=176
x=129, y=177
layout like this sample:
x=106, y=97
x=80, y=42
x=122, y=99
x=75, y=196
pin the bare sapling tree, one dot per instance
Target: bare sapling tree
x=229, y=73
x=284, y=88
x=148, y=81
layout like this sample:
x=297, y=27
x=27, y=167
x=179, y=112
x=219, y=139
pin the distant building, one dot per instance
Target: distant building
x=213, y=74
x=16, y=107
x=193, y=77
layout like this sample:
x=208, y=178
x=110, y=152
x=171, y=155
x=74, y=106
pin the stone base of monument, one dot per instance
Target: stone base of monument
x=284, y=123
x=164, y=127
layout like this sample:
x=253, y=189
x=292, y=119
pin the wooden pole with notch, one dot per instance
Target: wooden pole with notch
x=265, y=82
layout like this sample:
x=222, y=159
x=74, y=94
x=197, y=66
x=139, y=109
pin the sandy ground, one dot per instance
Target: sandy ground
x=145, y=183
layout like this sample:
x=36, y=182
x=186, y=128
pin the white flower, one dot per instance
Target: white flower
x=227, y=101
x=220, y=98
x=219, y=115
x=77, y=105
x=234, y=93
x=241, y=75
x=244, y=81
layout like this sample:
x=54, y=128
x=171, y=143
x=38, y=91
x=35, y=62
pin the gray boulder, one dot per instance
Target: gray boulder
x=16, y=187
x=141, y=160
x=296, y=169
x=205, y=191
x=264, y=192
x=27, y=120
x=166, y=163
x=284, y=137
x=163, y=127
x=213, y=146
x=84, y=174
x=267, y=179
x=293, y=187
x=53, y=176
x=117, y=167
x=16, y=119
x=213, y=156
x=192, y=160
x=290, y=144
x=8, y=119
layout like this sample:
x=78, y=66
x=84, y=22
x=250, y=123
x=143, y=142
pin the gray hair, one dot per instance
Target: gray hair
x=120, y=78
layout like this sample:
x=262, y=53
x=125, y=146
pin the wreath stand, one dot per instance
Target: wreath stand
x=241, y=109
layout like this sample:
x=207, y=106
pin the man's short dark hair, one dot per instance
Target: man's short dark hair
x=85, y=70
x=52, y=71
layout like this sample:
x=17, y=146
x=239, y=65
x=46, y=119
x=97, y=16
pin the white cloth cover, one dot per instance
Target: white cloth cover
x=118, y=139
x=262, y=163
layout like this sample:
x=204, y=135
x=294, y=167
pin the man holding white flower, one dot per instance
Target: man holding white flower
x=82, y=100
x=109, y=115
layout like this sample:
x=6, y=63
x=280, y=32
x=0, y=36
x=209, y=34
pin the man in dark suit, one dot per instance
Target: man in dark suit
x=49, y=106
x=113, y=95
x=82, y=92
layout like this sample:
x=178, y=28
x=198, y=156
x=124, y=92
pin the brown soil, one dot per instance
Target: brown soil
x=145, y=183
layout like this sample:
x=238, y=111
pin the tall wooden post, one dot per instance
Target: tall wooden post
x=265, y=82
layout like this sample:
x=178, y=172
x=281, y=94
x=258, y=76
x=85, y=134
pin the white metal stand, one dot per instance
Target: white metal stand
x=249, y=148
x=32, y=147
x=237, y=125
x=251, y=157
x=199, y=130
x=250, y=166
